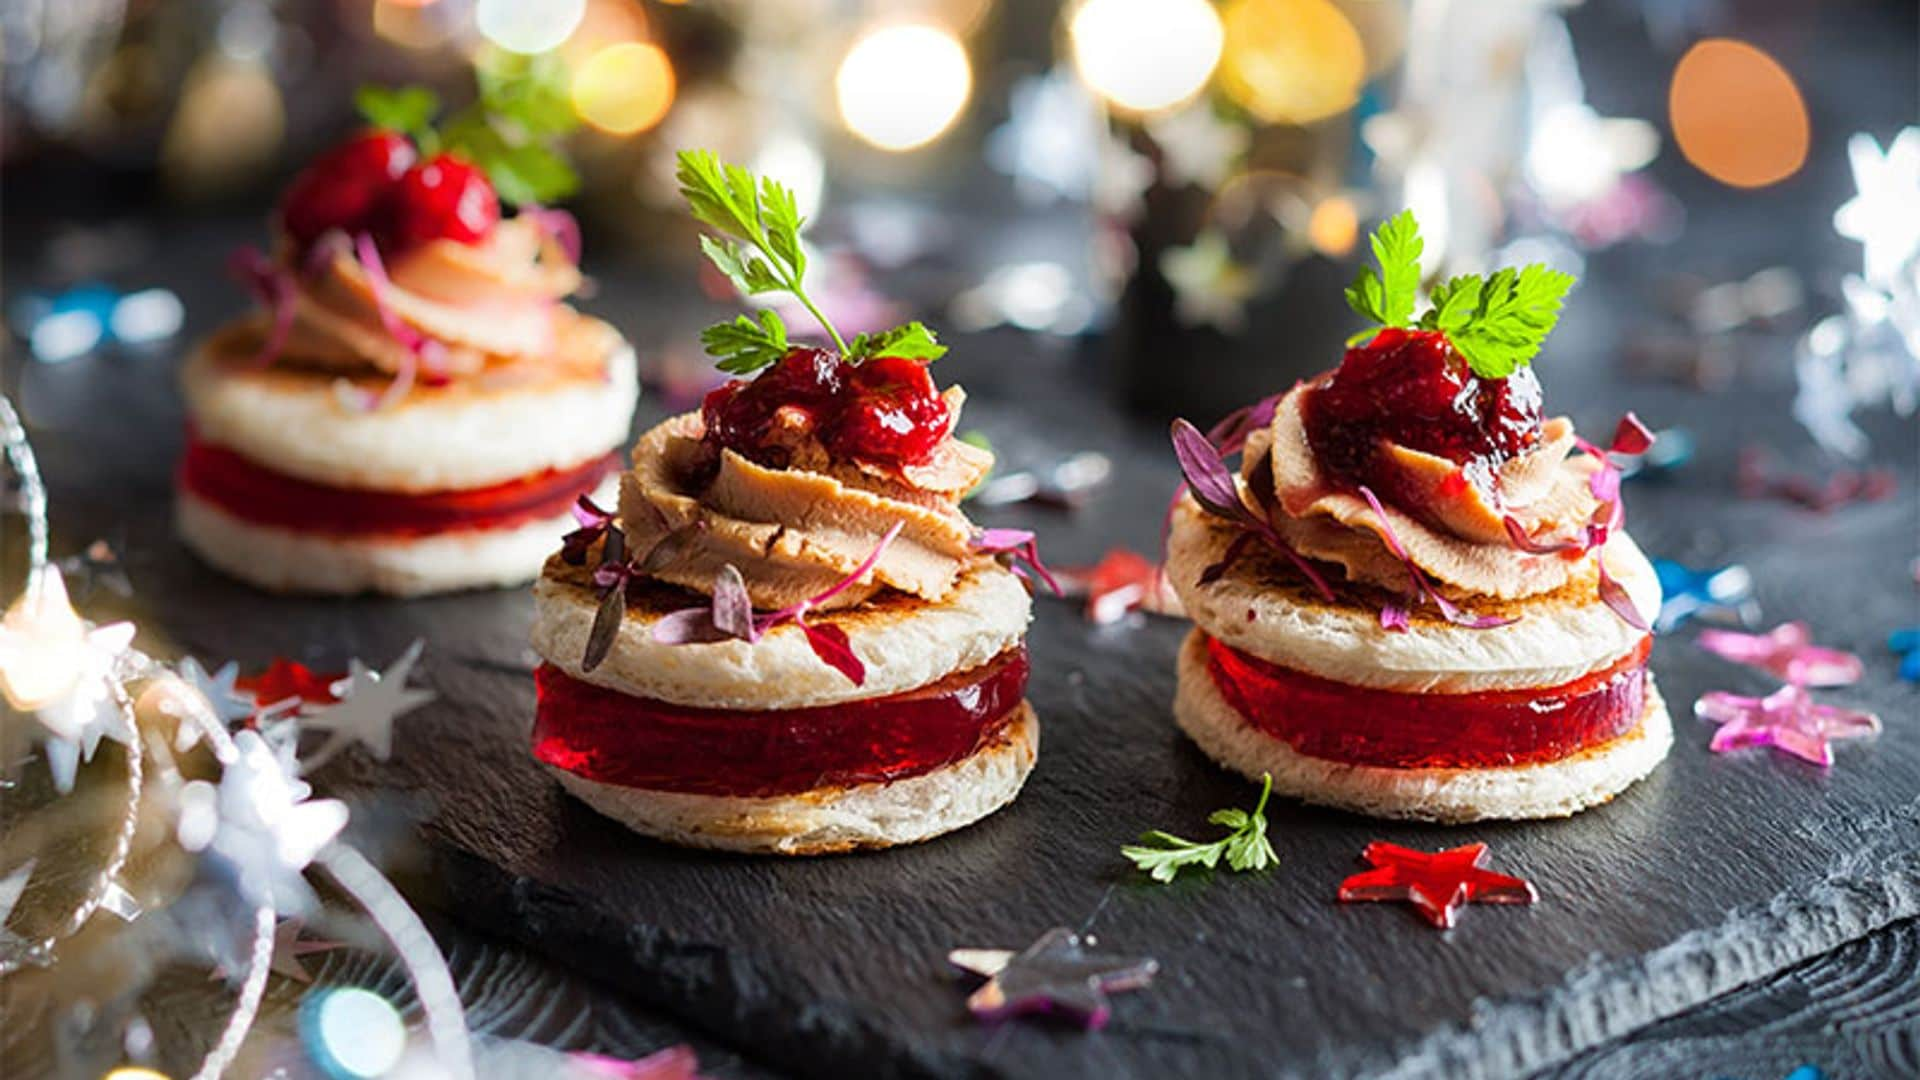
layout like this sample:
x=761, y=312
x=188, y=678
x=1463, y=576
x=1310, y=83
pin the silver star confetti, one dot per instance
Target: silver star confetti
x=1198, y=147
x=1057, y=973
x=60, y=668
x=1209, y=287
x=370, y=702
x=259, y=821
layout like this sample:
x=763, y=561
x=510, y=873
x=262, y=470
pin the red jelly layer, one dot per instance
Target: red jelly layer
x=614, y=738
x=255, y=493
x=1361, y=726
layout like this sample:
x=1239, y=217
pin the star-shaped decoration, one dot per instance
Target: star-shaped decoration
x=16, y=951
x=1789, y=720
x=1435, y=883
x=1209, y=287
x=1122, y=582
x=1050, y=143
x=1788, y=651
x=370, y=701
x=97, y=566
x=58, y=667
x=1905, y=643
x=1198, y=147
x=288, y=685
x=1884, y=217
x=1724, y=593
x=1672, y=450
x=1057, y=973
x=288, y=949
x=259, y=821
x=1120, y=184
x=224, y=699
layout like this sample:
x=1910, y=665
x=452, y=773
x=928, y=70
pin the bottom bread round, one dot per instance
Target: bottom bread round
x=1450, y=795
x=285, y=560
x=828, y=820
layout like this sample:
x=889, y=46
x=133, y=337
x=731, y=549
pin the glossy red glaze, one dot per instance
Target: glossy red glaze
x=445, y=198
x=1361, y=726
x=345, y=188
x=613, y=738
x=885, y=411
x=258, y=494
x=1411, y=388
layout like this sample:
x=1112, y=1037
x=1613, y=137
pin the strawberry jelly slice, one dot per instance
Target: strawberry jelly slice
x=613, y=738
x=255, y=493
x=1360, y=726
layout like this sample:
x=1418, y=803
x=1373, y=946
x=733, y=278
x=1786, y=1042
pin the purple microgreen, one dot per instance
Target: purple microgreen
x=420, y=351
x=1230, y=434
x=1018, y=546
x=732, y=607
x=1448, y=609
x=594, y=523
x=668, y=549
x=1614, y=595
x=1517, y=533
x=830, y=644
x=558, y=226
x=1394, y=618
x=688, y=626
x=273, y=287
x=606, y=624
x=861, y=571
x=1236, y=548
x=1212, y=486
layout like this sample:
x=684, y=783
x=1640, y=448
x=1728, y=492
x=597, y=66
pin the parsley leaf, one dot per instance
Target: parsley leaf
x=1514, y=313
x=912, y=341
x=405, y=109
x=744, y=346
x=1387, y=297
x=1163, y=855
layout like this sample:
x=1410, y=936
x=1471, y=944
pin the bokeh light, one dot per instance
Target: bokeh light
x=1145, y=55
x=624, y=88
x=134, y=1072
x=1334, y=226
x=1291, y=61
x=528, y=26
x=901, y=86
x=352, y=1033
x=1737, y=115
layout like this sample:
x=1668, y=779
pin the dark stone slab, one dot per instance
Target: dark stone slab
x=1716, y=872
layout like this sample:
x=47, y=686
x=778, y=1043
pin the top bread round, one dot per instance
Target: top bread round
x=905, y=643
x=1270, y=613
x=469, y=433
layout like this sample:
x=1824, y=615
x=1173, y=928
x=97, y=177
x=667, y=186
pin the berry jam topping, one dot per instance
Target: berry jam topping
x=1411, y=388
x=885, y=411
x=374, y=183
x=347, y=187
x=445, y=198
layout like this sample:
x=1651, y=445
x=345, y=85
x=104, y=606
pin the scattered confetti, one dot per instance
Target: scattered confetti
x=1788, y=720
x=1209, y=287
x=258, y=820
x=1724, y=593
x=288, y=684
x=1756, y=479
x=1121, y=583
x=370, y=701
x=1905, y=643
x=1057, y=973
x=1671, y=451
x=1065, y=485
x=672, y=1063
x=97, y=566
x=1435, y=883
x=1787, y=651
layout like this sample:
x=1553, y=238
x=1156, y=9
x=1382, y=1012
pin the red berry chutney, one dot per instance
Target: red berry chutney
x=374, y=183
x=1361, y=726
x=1410, y=387
x=885, y=411
x=613, y=738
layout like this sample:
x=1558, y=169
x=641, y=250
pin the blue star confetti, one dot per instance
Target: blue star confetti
x=1672, y=449
x=1905, y=644
x=1723, y=594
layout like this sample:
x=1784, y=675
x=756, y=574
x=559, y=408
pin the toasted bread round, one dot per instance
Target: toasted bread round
x=905, y=643
x=1510, y=792
x=285, y=560
x=1266, y=610
x=829, y=820
x=469, y=433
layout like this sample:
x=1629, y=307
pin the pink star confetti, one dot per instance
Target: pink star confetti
x=1788, y=651
x=1120, y=583
x=1787, y=720
x=673, y=1063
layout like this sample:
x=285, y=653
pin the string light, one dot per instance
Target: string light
x=1145, y=55
x=1737, y=115
x=43, y=643
x=528, y=26
x=625, y=88
x=1333, y=226
x=901, y=86
x=1291, y=61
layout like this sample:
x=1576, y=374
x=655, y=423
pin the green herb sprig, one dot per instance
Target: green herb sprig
x=758, y=249
x=1163, y=855
x=1497, y=323
x=509, y=131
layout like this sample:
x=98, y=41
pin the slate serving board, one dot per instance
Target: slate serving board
x=1715, y=872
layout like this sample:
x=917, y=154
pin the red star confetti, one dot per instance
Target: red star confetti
x=289, y=683
x=1788, y=651
x=1756, y=479
x=1788, y=720
x=673, y=1063
x=1120, y=583
x=1437, y=883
